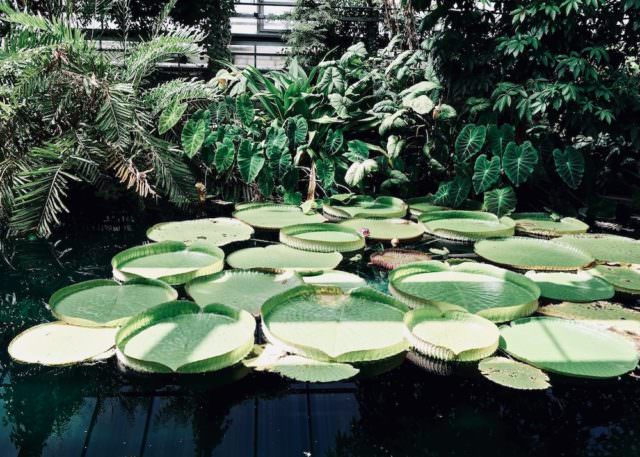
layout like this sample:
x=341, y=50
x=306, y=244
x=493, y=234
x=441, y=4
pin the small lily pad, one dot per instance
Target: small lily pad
x=513, y=374
x=393, y=258
x=309, y=370
x=322, y=238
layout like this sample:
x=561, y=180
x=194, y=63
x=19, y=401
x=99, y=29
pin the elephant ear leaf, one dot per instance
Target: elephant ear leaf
x=452, y=193
x=250, y=161
x=519, y=161
x=470, y=141
x=224, y=156
x=170, y=116
x=244, y=109
x=500, y=201
x=485, y=173
x=193, y=135
x=499, y=137
x=569, y=165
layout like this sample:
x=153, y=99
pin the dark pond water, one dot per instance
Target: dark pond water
x=100, y=410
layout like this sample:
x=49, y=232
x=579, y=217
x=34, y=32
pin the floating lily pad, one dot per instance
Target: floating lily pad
x=107, y=303
x=218, y=231
x=545, y=225
x=364, y=206
x=393, y=258
x=386, y=229
x=322, y=238
x=452, y=336
x=328, y=324
x=580, y=286
x=181, y=337
x=420, y=205
x=606, y=248
x=275, y=217
x=309, y=370
x=170, y=261
x=532, y=254
x=240, y=289
x=513, y=374
x=336, y=278
x=623, y=279
x=568, y=348
x=59, y=343
x=466, y=226
x=279, y=258
x=491, y=292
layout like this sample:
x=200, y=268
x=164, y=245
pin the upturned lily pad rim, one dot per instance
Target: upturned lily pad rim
x=574, y=226
x=478, y=245
x=168, y=310
x=67, y=291
x=494, y=314
x=335, y=261
x=164, y=247
x=391, y=221
x=441, y=352
x=290, y=236
x=366, y=293
x=242, y=210
x=244, y=227
x=504, y=226
x=396, y=208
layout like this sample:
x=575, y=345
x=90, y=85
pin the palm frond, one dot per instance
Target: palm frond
x=184, y=90
x=116, y=117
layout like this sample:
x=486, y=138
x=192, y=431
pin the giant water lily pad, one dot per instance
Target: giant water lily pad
x=304, y=369
x=452, y=336
x=279, y=258
x=326, y=323
x=336, y=278
x=466, y=226
x=513, y=374
x=181, y=337
x=364, y=206
x=491, y=292
x=59, y=343
x=605, y=248
x=532, y=254
x=546, y=225
x=170, y=261
x=579, y=287
x=623, y=279
x=107, y=303
x=275, y=217
x=386, y=229
x=420, y=205
x=393, y=258
x=568, y=348
x=240, y=289
x=322, y=238
x=218, y=231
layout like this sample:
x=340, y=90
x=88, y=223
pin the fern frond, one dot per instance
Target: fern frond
x=115, y=119
x=183, y=90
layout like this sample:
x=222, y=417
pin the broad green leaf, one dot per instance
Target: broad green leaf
x=340, y=104
x=265, y=182
x=605, y=248
x=392, y=123
x=486, y=173
x=302, y=129
x=421, y=104
x=280, y=258
x=219, y=231
x=499, y=137
x=170, y=116
x=325, y=171
x=513, y=374
x=470, y=141
x=250, y=161
x=321, y=237
x=569, y=165
x=335, y=140
x=225, y=153
x=423, y=87
x=519, y=161
x=452, y=193
x=358, y=170
x=358, y=150
x=395, y=146
x=574, y=287
x=304, y=369
x=193, y=135
x=500, y=202
x=386, y=229
x=245, y=109
x=275, y=217
x=466, y=226
x=444, y=112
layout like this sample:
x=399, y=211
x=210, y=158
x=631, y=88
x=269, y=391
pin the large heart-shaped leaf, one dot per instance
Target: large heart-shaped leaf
x=193, y=135
x=250, y=161
x=325, y=171
x=392, y=122
x=452, y=193
x=569, y=165
x=500, y=201
x=340, y=104
x=358, y=170
x=519, y=161
x=244, y=109
x=170, y=116
x=485, y=173
x=470, y=141
x=225, y=153
x=499, y=137
x=335, y=140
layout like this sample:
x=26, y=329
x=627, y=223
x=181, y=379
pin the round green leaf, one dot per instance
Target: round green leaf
x=486, y=173
x=240, y=289
x=519, y=161
x=513, y=374
x=336, y=278
x=328, y=324
x=364, y=206
x=58, y=343
x=568, y=348
x=466, y=226
x=107, y=303
x=451, y=336
x=274, y=217
x=606, y=248
x=532, y=254
x=304, y=369
x=170, y=261
x=386, y=229
x=544, y=225
x=322, y=238
x=491, y=292
x=419, y=205
x=219, y=231
x=623, y=279
x=181, y=337
x=580, y=286
x=279, y=257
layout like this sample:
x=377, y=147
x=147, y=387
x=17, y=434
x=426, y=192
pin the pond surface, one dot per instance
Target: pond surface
x=100, y=410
